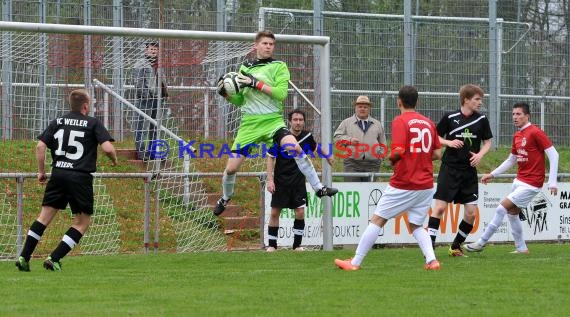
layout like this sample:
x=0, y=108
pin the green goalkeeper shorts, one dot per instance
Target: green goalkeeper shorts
x=257, y=129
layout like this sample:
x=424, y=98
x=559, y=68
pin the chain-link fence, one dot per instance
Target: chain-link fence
x=450, y=46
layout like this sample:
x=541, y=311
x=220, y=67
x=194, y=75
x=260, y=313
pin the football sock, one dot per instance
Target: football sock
x=433, y=229
x=34, y=235
x=306, y=167
x=70, y=239
x=272, y=236
x=366, y=242
x=424, y=242
x=462, y=233
x=228, y=182
x=517, y=230
x=500, y=213
x=298, y=231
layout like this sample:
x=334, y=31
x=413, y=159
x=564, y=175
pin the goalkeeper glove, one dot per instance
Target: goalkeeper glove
x=221, y=90
x=247, y=80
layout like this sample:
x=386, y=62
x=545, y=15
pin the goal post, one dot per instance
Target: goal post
x=206, y=51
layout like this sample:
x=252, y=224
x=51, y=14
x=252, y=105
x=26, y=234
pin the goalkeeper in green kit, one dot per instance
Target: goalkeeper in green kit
x=264, y=82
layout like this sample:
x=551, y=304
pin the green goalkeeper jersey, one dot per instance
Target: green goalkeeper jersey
x=254, y=102
x=262, y=115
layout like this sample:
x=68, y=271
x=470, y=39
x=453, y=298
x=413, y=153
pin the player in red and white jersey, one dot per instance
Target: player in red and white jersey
x=413, y=137
x=415, y=144
x=529, y=145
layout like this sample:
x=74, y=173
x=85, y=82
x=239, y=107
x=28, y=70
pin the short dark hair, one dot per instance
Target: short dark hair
x=409, y=96
x=77, y=98
x=264, y=33
x=468, y=91
x=151, y=43
x=299, y=111
x=524, y=106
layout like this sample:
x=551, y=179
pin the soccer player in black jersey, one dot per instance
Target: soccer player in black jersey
x=467, y=135
x=286, y=182
x=72, y=140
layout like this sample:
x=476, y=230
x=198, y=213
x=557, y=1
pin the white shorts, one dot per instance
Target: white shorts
x=522, y=193
x=396, y=201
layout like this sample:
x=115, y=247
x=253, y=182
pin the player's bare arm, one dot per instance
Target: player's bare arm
x=486, y=178
x=476, y=158
x=456, y=144
x=40, y=158
x=270, y=183
x=109, y=150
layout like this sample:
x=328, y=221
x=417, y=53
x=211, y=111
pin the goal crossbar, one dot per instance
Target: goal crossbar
x=162, y=33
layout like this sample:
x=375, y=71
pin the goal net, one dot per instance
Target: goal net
x=41, y=67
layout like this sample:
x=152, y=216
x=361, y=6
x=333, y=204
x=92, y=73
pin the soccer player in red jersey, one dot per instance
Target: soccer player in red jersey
x=415, y=144
x=529, y=145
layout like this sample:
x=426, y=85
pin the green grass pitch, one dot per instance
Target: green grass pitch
x=392, y=282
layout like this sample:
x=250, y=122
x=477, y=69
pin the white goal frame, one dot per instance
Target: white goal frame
x=320, y=43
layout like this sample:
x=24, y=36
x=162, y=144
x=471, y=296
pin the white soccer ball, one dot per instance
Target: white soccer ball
x=230, y=83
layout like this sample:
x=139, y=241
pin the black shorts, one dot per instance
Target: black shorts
x=289, y=196
x=75, y=188
x=460, y=186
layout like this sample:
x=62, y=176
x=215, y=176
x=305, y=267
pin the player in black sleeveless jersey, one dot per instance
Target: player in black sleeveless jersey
x=286, y=182
x=72, y=140
x=467, y=135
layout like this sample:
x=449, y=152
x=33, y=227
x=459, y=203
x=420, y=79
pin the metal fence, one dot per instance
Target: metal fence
x=449, y=45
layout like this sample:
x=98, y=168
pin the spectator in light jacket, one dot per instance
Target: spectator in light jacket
x=362, y=139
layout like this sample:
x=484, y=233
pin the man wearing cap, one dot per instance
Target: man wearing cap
x=358, y=137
